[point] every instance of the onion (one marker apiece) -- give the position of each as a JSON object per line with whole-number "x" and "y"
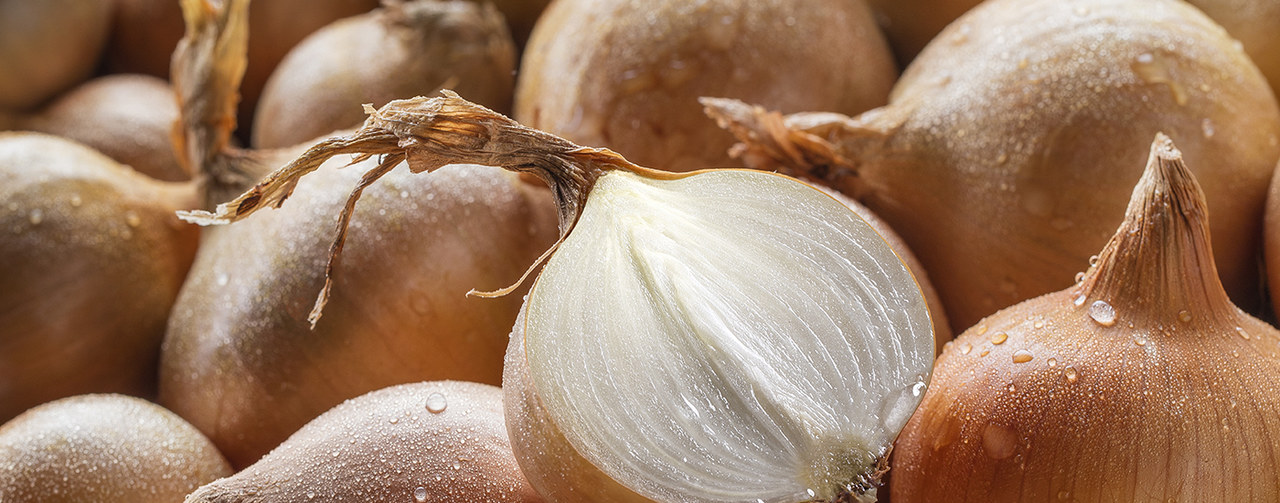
{"x": 127, "y": 117}
{"x": 239, "y": 335}
{"x": 628, "y": 74}
{"x": 90, "y": 262}
{"x": 48, "y": 46}
{"x": 1142, "y": 382}
{"x": 433, "y": 441}
{"x": 723, "y": 335}
{"x": 143, "y": 34}
{"x": 1253, "y": 23}
{"x": 403, "y": 49}
{"x": 103, "y": 448}
{"x": 1002, "y": 155}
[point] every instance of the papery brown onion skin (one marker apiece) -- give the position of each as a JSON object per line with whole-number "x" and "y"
{"x": 91, "y": 260}
{"x": 401, "y": 50}
{"x": 128, "y": 117}
{"x": 239, "y": 338}
{"x": 1003, "y": 157}
{"x": 46, "y": 47}
{"x": 104, "y": 448}
{"x": 442, "y": 441}
{"x": 628, "y": 74}
{"x": 1141, "y": 383}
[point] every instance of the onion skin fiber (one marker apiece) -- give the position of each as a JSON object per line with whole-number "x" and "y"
{"x": 1004, "y": 154}
{"x": 1142, "y": 382}
{"x": 442, "y": 442}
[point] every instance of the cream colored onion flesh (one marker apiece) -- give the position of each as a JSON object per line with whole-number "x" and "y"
{"x": 733, "y": 335}
{"x": 721, "y": 335}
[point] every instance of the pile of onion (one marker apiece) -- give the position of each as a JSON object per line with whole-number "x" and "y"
{"x": 1004, "y": 152}
{"x": 104, "y": 448}
{"x": 440, "y": 441}
{"x": 240, "y": 333}
{"x": 1141, "y": 382}
{"x": 628, "y": 74}
{"x": 720, "y": 335}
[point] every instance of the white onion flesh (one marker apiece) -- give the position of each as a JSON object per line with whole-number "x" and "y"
{"x": 727, "y": 336}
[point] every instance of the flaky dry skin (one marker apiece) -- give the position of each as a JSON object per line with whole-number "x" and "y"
{"x": 1004, "y": 157}
{"x": 1171, "y": 394}
{"x": 627, "y": 74}
{"x": 104, "y": 448}
{"x": 399, "y": 51}
{"x": 127, "y": 117}
{"x": 91, "y": 259}
{"x": 443, "y": 441}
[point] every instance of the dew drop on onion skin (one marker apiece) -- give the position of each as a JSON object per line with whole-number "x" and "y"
{"x": 436, "y": 403}
{"x": 1102, "y": 313}
{"x": 1022, "y": 356}
{"x": 420, "y": 494}
{"x": 998, "y": 442}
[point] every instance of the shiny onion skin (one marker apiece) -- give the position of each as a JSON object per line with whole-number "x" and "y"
{"x": 1005, "y": 154}
{"x": 1142, "y": 382}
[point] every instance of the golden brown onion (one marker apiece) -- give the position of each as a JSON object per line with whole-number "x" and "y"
{"x": 402, "y": 50}
{"x": 443, "y": 442}
{"x": 1003, "y": 156}
{"x": 91, "y": 258}
{"x": 127, "y": 117}
{"x": 628, "y": 74}
{"x": 240, "y": 336}
{"x": 107, "y": 448}
{"x": 46, "y": 47}
{"x": 1141, "y": 383}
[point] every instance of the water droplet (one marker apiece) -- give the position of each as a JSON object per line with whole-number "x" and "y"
{"x": 1002, "y": 158}
{"x": 404, "y": 194}
{"x": 982, "y": 329}
{"x": 436, "y": 403}
{"x": 1064, "y": 495}
{"x": 223, "y": 279}
{"x": 1243, "y": 335}
{"x": 36, "y": 216}
{"x": 1038, "y": 324}
{"x": 1053, "y": 362}
{"x": 917, "y": 388}
{"x": 1093, "y": 260}
{"x": 1206, "y": 127}
{"x": 394, "y": 420}
{"x": 1079, "y": 300}
{"x": 1071, "y": 374}
{"x": 420, "y": 494}
{"x": 76, "y": 201}
{"x": 1184, "y": 316}
{"x": 998, "y": 338}
{"x": 998, "y": 441}
{"x": 1102, "y": 313}
{"x": 1152, "y": 70}
{"x": 1022, "y": 356}
{"x": 966, "y": 349}
{"x": 1140, "y": 340}
{"x": 132, "y": 219}
{"x": 311, "y": 495}
{"x": 335, "y": 453}
{"x": 985, "y": 352}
